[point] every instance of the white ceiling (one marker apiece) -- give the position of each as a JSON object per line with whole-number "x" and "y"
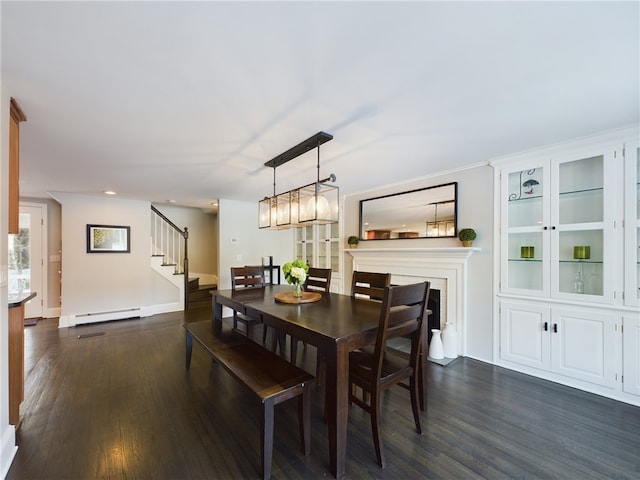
{"x": 186, "y": 101}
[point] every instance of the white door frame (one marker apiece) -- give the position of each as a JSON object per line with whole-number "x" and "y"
{"x": 38, "y": 306}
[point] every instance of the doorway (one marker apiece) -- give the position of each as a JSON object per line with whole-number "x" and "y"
{"x": 26, "y": 252}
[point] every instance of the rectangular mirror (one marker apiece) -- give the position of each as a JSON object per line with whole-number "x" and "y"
{"x": 424, "y": 213}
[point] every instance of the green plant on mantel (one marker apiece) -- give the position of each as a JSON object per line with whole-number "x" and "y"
{"x": 467, "y": 236}
{"x": 353, "y": 241}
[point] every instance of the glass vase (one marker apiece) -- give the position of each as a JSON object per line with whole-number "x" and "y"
{"x": 297, "y": 290}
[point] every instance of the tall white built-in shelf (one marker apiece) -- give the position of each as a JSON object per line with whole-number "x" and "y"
{"x": 568, "y": 236}
{"x": 318, "y": 246}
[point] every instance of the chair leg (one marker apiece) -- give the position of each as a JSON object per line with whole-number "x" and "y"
{"x": 274, "y": 340}
{"x": 264, "y": 335}
{"x": 421, "y": 373}
{"x": 294, "y": 350}
{"x": 304, "y": 419}
{"x": 375, "y": 428}
{"x": 266, "y": 437}
{"x": 249, "y": 327}
{"x": 413, "y": 390}
{"x": 189, "y": 340}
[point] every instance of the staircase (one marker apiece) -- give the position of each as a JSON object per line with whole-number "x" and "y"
{"x": 169, "y": 257}
{"x": 198, "y": 296}
{"x": 169, "y": 243}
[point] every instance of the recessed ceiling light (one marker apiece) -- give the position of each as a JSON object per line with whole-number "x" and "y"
{"x": 109, "y": 192}
{"x": 171, "y": 201}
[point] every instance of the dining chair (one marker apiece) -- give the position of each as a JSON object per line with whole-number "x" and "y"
{"x": 376, "y": 369}
{"x": 247, "y": 277}
{"x": 369, "y": 285}
{"x": 318, "y": 280}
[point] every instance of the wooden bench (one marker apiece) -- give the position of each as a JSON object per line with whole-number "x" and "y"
{"x": 271, "y": 379}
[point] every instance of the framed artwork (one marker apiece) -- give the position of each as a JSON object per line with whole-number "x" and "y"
{"x": 108, "y": 239}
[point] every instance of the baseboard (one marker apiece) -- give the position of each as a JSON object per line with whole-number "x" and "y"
{"x": 52, "y": 312}
{"x": 85, "y": 318}
{"x": 8, "y": 449}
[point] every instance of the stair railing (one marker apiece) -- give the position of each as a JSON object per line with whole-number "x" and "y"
{"x": 169, "y": 240}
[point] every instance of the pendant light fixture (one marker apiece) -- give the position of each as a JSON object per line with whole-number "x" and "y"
{"x": 316, "y": 203}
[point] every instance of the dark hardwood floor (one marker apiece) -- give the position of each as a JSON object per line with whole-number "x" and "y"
{"x": 121, "y": 406}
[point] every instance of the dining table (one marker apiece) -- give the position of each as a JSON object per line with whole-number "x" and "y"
{"x": 336, "y": 324}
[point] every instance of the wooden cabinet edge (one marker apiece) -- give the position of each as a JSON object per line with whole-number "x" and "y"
{"x": 17, "y": 116}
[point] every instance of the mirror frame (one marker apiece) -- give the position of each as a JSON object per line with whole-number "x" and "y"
{"x": 410, "y": 199}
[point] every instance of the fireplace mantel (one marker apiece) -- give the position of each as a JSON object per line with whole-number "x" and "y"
{"x": 445, "y": 268}
{"x": 446, "y": 252}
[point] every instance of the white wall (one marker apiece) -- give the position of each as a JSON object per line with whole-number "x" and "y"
{"x": 475, "y": 209}
{"x": 107, "y": 282}
{"x": 7, "y": 432}
{"x": 241, "y": 242}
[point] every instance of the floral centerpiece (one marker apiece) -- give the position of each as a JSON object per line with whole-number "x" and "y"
{"x": 295, "y": 273}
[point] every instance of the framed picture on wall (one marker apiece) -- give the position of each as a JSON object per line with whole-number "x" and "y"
{"x": 108, "y": 239}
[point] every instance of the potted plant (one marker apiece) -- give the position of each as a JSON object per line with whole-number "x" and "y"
{"x": 467, "y": 236}
{"x": 353, "y": 241}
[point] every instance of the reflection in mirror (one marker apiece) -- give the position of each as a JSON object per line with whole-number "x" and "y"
{"x": 424, "y": 213}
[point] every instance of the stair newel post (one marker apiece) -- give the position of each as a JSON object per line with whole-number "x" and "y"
{"x": 185, "y": 234}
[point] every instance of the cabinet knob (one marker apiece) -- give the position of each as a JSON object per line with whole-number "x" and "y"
{"x": 555, "y": 328}
{"x": 546, "y": 326}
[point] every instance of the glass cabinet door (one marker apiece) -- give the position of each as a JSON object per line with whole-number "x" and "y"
{"x": 527, "y": 243}
{"x": 578, "y": 218}
{"x": 318, "y": 246}
{"x": 632, "y": 224}
{"x": 558, "y": 226}
{"x": 334, "y": 247}
{"x": 304, "y": 244}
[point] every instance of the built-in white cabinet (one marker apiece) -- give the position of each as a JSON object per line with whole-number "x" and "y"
{"x": 631, "y": 321}
{"x": 632, "y": 224}
{"x": 631, "y": 354}
{"x": 577, "y": 343}
{"x": 568, "y": 274}
{"x": 318, "y": 245}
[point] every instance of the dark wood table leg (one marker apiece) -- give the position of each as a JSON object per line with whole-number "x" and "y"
{"x": 216, "y": 314}
{"x": 189, "y": 340}
{"x": 337, "y": 404}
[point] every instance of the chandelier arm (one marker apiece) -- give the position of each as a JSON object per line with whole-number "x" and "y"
{"x": 274, "y": 181}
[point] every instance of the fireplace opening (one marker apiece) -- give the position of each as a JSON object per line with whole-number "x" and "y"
{"x": 433, "y": 304}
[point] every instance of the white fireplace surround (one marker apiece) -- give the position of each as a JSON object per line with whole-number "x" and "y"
{"x": 445, "y": 268}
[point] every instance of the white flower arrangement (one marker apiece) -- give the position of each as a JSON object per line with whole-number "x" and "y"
{"x": 298, "y": 274}
{"x": 295, "y": 272}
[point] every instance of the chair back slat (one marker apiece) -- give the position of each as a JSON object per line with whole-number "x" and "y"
{"x": 318, "y": 280}
{"x": 402, "y": 313}
{"x": 247, "y": 277}
{"x": 369, "y": 284}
